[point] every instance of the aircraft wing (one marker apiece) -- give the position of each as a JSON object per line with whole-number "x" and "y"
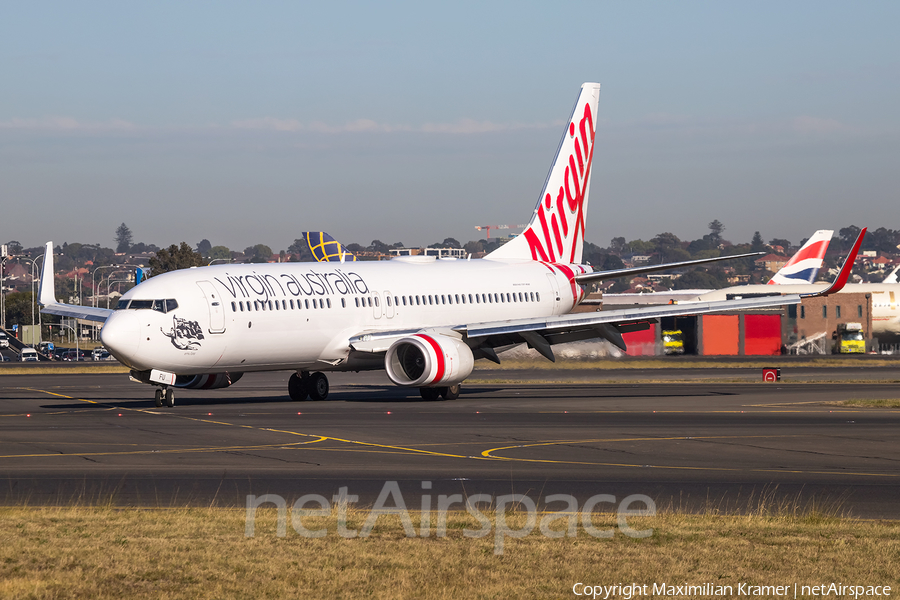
{"x": 542, "y": 333}
{"x": 74, "y": 311}
{"x": 47, "y": 296}
{"x": 603, "y": 275}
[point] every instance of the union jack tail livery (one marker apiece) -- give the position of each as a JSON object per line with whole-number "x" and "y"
{"x": 556, "y": 231}
{"x": 804, "y": 266}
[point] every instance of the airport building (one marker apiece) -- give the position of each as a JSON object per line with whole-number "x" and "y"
{"x": 806, "y": 328}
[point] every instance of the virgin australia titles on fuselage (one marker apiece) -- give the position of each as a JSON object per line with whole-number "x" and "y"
{"x": 423, "y": 320}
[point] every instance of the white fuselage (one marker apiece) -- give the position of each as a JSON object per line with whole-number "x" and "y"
{"x": 885, "y": 298}
{"x": 258, "y": 317}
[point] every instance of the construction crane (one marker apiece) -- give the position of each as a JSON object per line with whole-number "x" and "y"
{"x": 489, "y": 227}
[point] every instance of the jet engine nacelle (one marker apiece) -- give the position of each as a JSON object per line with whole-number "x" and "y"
{"x": 428, "y": 360}
{"x": 207, "y": 381}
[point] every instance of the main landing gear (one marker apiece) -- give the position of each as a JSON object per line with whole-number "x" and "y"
{"x": 165, "y": 395}
{"x": 305, "y": 385}
{"x": 433, "y": 393}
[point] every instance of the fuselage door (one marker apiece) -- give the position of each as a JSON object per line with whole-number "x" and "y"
{"x": 554, "y": 292}
{"x": 388, "y": 305}
{"x": 216, "y": 309}
{"x": 377, "y": 308}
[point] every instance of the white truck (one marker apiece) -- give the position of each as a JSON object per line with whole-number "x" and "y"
{"x": 4, "y": 340}
{"x": 27, "y": 354}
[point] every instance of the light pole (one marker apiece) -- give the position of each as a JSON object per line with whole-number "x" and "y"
{"x": 77, "y": 352}
{"x": 33, "y": 269}
{"x": 109, "y": 277}
{"x": 93, "y": 289}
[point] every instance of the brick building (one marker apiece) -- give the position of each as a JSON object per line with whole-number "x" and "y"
{"x": 816, "y": 315}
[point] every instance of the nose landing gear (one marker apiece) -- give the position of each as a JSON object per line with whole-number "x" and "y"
{"x": 164, "y": 395}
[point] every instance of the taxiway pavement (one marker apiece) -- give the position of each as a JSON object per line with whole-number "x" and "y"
{"x": 731, "y": 446}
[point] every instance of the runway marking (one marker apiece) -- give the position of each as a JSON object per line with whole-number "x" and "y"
{"x": 165, "y": 451}
{"x": 489, "y": 453}
{"x": 485, "y": 455}
{"x": 319, "y": 438}
{"x": 704, "y": 412}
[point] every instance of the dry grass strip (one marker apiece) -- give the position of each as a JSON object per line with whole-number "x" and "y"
{"x": 89, "y": 552}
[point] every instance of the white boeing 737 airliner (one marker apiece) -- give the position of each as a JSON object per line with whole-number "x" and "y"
{"x": 425, "y": 321}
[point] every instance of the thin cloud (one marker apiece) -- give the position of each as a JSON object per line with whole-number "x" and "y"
{"x": 807, "y": 124}
{"x": 63, "y": 124}
{"x": 460, "y": 127}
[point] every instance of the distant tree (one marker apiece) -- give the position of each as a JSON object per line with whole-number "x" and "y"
{"x": 610, "y": 262}
{"x": 123, "y": 238}
{"x": 13, "y": 247}
{"x": 260, "y": 253}
{"x": 174, "y": 258}
{"x": 282, "y": 256}
{"x": 379, "y": 246}
{"x": 298, "y": 246}
{"x": 618, "y": 245}
{"x": 203, "y": 248}
{"x": 448, "y": 243}
{"x": 757, "y": 244}
{"x": 474, "y": 247}
{"x": 669, "y": 247}
{"x": 399, "y": 245}
{"x": 705, "y": 245}
{"x": 715, "y": 231}
{"x": 219, "y": 252}
{"x": 883, "y": 240}
{"x": 142, "y": 248}
{"x": 639, "y": 247}
{"x": 18, "y": 308}
{"x": 780, "y": 242}
{"x": 700, "y": 279}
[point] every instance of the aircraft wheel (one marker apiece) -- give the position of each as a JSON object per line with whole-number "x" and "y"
{"x": 429, "y": 393}
{"x": 450, "y": 393}
{"x": 170, "y": 397}
{"x": 158, "y": 397}
{"x": 318, "y": 388}
{"x": 298, "y": 387}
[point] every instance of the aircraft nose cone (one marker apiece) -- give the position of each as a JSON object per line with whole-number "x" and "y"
{"x": 121, "y": 336}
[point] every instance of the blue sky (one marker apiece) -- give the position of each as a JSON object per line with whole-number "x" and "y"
{"x": 249, "y": 123}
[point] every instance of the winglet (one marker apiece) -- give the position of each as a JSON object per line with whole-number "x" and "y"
{"x": 47, "y": 291}
{"x": 844, "y": 273}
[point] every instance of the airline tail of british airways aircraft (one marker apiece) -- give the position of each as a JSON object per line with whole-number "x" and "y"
{"x": 804, "y": 266}
{"x": 556, "y": 231}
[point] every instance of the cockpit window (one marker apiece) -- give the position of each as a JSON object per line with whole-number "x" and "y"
{"x": 162, "y": 306}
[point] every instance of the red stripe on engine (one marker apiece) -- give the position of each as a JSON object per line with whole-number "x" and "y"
{"x": 440, "y": 357}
